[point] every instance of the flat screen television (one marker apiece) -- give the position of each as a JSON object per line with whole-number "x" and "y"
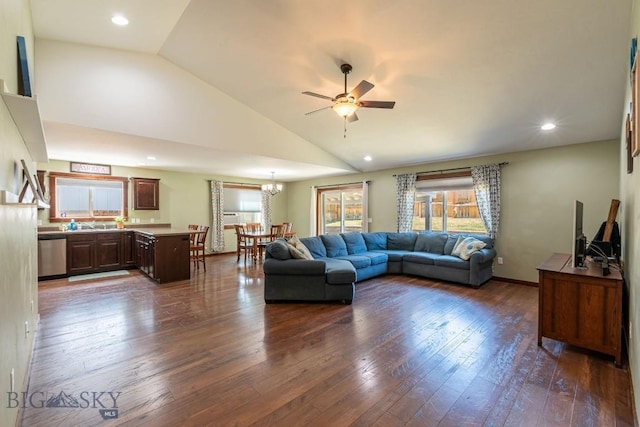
{"x": 579, "y": 242}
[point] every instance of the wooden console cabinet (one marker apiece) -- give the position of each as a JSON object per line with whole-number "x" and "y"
{"x": 580, "y": 306}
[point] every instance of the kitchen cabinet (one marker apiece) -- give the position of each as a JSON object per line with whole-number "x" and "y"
{"x": 128, "y": 249}
{"x": 108, "y": 251}
{"x": 164, "y": 258}
{"x": 95, "y": 251}
{"x": 81, "y": 254}
{"x": 146, "y": 194}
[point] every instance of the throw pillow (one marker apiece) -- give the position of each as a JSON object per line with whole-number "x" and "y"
{"x": 456, "y": 248}
{"x": 469, "y": 246}
{"x": 298, "y": 249}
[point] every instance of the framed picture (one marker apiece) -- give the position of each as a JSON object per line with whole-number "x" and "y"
{"x": 635, "y": 109}
{"x": 628, "y": 137}
{"x": 90, "y": 168}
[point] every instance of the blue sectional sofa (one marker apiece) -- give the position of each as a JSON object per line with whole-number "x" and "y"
{"x": 341, "y": 260}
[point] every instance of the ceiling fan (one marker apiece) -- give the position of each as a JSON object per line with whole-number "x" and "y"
{"x": 345, "y": 104}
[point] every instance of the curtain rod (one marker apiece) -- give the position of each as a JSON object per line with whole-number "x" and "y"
{"x": 451, "y": 169}
{"x": 340, "y": 185}
{"x": 236, "y": 183}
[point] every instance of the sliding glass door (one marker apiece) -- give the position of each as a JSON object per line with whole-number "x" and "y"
{"x": 339, "y": 210}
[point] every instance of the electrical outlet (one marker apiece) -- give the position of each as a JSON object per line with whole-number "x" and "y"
{"x": 500, "y": 260}
{"x": 12, "y": 380}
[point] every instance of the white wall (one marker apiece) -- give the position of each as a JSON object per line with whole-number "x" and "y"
{"x": 629, "y": 220}
{"x": 18, "y": 241}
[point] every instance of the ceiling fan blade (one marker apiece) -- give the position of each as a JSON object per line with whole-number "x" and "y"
{"x": 319, "y": 109}
{"x": 352, "y": 118}
{"x": 317, "y": 95}
{"x": 377, "y": 104}
{"x": 361, "y": 89}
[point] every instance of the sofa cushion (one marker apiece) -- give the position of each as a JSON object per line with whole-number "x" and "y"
{"x": 375, "y": 241}
{"x": 278, "y": 249}
{"x": 339, "y": 271}
{"x": 394, "y": 255}
{"x": 355, "y": 243}
{"x": 315, "y": 246}
{"x": 428, "y": 241}
{"x": 401, "y": 241}
{"x": 376, "y": 257}
{"x": 469, "y": 246}
{"x": 357, "y": 261}
{"x": 451, "y": 261}
{"x": 334, "y": 244}
{"x": 421, "y": 258}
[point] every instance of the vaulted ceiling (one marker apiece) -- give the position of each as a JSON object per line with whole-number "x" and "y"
{"x": 216, "y": 86}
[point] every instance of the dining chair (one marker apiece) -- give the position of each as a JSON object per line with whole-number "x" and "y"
{"x": 254, "y": 227}
{"x": 197, "y": 246}
{"x": 243, "y": 243}
{"x": 277, "y": 230}
{"x": 288, "y": 229}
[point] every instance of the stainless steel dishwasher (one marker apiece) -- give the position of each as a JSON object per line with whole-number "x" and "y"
{"x": 52, "y": 255}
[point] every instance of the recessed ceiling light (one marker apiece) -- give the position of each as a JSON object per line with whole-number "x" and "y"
{"x": 151, "y": 158}
{"x": 120, "y": 20}
{"x": 367, "y": 158}
{"x": 548, "y": 126}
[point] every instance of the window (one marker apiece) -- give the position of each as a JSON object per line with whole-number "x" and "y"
{"x": 447, "y": 204}
{"x": 87, "y": 197}
{"x": 242, "y": 204}
{"x": 339, "y": 209}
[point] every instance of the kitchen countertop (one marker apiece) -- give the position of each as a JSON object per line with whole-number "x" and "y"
{"x": 150, "y": 231}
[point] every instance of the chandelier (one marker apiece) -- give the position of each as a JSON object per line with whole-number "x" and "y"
{"x": 272, "y": 188}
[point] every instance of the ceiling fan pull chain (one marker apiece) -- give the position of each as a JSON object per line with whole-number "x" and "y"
{"x": 345, "y": 127}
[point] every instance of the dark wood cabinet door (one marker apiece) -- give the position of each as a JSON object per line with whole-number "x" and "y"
{"x": 108, "y": 252}
{"x": 146, "y": 194}
{"x": 81, "y": 254}
{"x": 128, "y": 249}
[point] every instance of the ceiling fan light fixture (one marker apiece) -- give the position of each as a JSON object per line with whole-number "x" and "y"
{"x": 345, "y": 106}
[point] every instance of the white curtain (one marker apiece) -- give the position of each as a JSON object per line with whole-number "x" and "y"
{"x": 405, "y": 197}
{"x": 486, "y": 184}
{"x": 267, "y": 209}
{"x": 217, "y": 216}
{"x": 313, "y": 212}
{"x": 365, "y": 206}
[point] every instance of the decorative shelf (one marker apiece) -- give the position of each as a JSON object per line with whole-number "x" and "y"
{"x": 26, "y": 115}
{"x": 9, "y": 198}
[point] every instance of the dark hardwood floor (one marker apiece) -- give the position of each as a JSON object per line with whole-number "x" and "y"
{"x": 408, "y": 351}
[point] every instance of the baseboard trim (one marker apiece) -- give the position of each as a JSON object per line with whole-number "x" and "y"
{"x": 516, "y": 281}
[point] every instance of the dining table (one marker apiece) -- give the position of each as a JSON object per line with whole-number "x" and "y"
{"x": 258, "y": 237}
